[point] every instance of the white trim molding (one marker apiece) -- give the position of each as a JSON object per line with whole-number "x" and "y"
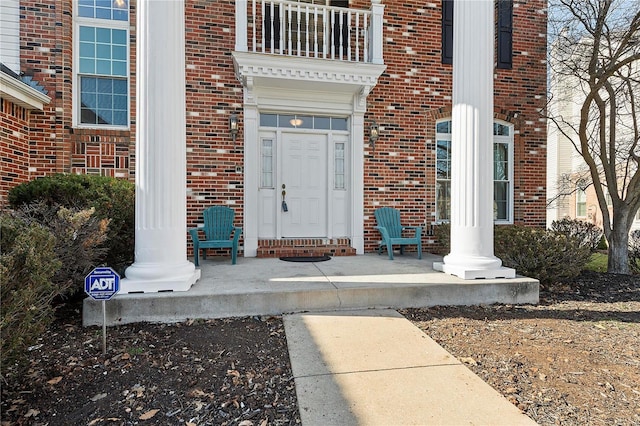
{"x": 21, "y": 93}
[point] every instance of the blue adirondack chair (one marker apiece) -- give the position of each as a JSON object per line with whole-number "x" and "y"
{"x": 218, "y": 232}
{"x": 389, "y": 226}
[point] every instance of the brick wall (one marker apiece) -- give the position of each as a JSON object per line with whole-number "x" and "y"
{"x": 411, "y": 95}
{"x": 14, "y": 147}
{"x": 46, "y": 43}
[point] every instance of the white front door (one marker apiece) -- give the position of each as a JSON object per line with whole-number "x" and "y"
{"x": 303, "y": 178}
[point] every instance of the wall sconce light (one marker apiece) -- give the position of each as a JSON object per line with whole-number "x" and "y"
{"x": 373, "y": 134}
{"x": 233, "y": 127}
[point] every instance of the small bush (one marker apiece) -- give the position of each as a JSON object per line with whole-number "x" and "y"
{"x": 79, "y": 241}
{"x": 27, "y": 265}
{"x": 634, "y": 251}
{"x": 442, "y": 233}
{"x": 538, "y": 253}
{"x": 113, "y": 199}
{"x": 587, "y": 233}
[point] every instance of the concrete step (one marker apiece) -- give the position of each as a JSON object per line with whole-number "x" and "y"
{"x": 272, "y": 287}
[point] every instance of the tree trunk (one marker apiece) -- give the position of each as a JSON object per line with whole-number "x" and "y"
{"x": 618, "y": 262}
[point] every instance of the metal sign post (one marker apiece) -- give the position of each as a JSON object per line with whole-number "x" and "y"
{"x": 102, "y": 284}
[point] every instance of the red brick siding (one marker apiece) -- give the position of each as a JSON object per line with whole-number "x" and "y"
{"x": 46, "y": 53}
{"x": 14, "y": 147}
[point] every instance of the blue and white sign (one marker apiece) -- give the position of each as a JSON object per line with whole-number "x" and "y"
{"x": 102, "y": 283}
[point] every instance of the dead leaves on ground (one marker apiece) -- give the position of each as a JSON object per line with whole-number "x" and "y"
{"x": 223, "y": 372}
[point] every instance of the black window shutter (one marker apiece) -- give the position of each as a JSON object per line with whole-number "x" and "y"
{"x": 504, "y": 32}
{"x": 447, "y": 31}
{"x": 272, "y": 27}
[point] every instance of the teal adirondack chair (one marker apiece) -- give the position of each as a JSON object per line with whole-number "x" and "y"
{"x": 390, "y": 228}
{"x": 218, "y": 232}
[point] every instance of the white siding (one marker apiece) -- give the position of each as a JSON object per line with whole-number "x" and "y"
{"x": 10, "y": 34}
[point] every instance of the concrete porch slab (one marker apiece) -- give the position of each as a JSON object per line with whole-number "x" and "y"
{"x": 256, "y": 286}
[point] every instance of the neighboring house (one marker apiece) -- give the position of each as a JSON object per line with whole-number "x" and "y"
{"x": 570, "y": 192}
{"x": 305, "y": 84}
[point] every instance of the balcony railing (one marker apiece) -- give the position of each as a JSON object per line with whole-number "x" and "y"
{"x": 290, "y": 28}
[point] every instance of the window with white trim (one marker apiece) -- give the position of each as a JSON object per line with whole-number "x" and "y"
{"x": 581, "y": 203}
{"x": 502, "y": 171}
{"x": 101, "y": 63}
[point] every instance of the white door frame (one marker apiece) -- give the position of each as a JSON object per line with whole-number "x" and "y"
{"x": 355, "y": 169}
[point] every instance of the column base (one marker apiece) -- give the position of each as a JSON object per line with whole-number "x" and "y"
{"x": 469, "y": 273}
{"x": 154, "y": 277}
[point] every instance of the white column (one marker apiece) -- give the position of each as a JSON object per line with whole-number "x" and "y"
{"x": 471, "y": 253}
{"x": 251, "y": 173}
{"x": 160, "y": 247}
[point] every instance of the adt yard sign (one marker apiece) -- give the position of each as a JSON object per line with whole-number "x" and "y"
{"x": 102, "y": 283}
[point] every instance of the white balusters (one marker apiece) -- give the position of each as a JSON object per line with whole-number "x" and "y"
{"x": 309, "y": 30}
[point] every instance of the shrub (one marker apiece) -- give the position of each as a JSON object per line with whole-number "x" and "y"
{"x": 538, "y": 253}
{"x": 27, "y": 264}
{"x": 442, "y": 233}
{"x": 79, "y": 241}
{"x": 634, "y": 251}
{"x": 587, "y": 233}
{"x": 112, "y": 198}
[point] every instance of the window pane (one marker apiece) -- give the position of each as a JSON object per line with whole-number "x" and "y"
{"x": 119, "y": 37}
{"x": 103, "y": 35}
{"x": 87, "y": 66}
{"x": 87, "y": 50}
{"x": 443, "y": 127}
{"x": 500, "y": 129}
{"x": 120, "y": 118}
{"x": 105, "y": 116}
{"x": 104, "y": 9}
{"x": 267, "y": 163}
{"x": 103, "y": 13}
{"x": 443, "y": 151}
{"x": 304, "y": 122}
{"x": 119, "y": 68}
{"x": 323, "y": 123}
{"x": 120, "y": 87}
{"x": 119, "y": 52}
{"x": 500, "y": 200}
{"x": 443, "y": 169}
{"x": 89, "y": 84}
{"x": 120, "y": 15}
{"x": 87, "y": 34}
{"x": 103, "y": 51}
{"x": 339, "y": 123}
{"x": 443, "y": 200}
{"x": 500, "y": 161}
{"x": 85, "y": 12}
{"x": 339, "y": 181}
{"x": 100, "y": 104}
{"x": 269, "y": 120}
{"x": 287, "y": 121}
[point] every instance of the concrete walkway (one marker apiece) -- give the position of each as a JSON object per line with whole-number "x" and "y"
{"x": 374, "y": 367}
